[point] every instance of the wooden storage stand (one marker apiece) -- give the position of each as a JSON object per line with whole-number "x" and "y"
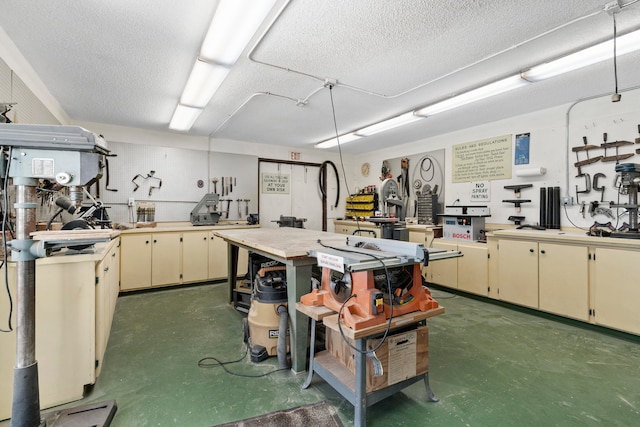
{"x": 348, "y": 372}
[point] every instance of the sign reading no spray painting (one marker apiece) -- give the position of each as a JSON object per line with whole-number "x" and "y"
{"x": 482, "y": 160}
{"x": 275, "y": 183}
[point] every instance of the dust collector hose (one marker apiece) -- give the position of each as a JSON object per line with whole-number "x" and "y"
{"x": 322, "y": 189}
{"x": 282, "y": 336}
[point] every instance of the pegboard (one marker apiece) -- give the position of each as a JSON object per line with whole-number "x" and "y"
{"x": 180, "y": 178}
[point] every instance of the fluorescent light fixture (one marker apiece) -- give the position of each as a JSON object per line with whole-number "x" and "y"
{"x": 389, "y": 124}
{"x": 204, "y": 81}
{"x": 334, "y": 141}
{"x": 589, "y": 56}
{"x": 184, "y": 117}
{"x": 483, "y": 92}
{"x": 233, "y": 25}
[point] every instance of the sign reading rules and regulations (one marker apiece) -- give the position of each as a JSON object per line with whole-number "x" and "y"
{"x": 275, "y": 183}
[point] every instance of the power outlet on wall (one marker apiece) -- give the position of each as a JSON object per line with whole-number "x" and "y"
{"x": 131, "y": 201}
{"x": 567, "y": 201}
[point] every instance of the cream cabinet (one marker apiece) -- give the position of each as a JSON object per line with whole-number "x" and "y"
{"x": 135, "y": 261}
{"x": 443, "y": 272}
{"x": 195, "y": 256}
{"x": 107, "y": 288}
{"x": 469, "y": 273}
{"x": 217, "y": 254}
{"x": 563, "y": 279}
{"x": 616, "y": 289}
{"x": 166, "y": 253}
{"x": 164, "y": 258}
{"x": 473, "y": 268}
{"x": 75, "y": 299}
{"x": 349, "y": 227}
{"x": 518, "y": 272}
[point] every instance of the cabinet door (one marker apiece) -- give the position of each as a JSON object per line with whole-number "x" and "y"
{"x": 444, "y": 272}
{"x": 135, "y": 261}
{"x": 492, "y": 245}
{"x": 195, "y": 256}
{"x": 616, "y": 289}
{"x": 165, "y": 259}
{"x": 217, "y": 257}
{"x": 518, "y": 272}
{"x": 564, "y": 280}
{"x": 473, "y": 269}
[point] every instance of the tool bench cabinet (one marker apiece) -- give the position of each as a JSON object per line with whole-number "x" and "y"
{"x": 353, "y": 387}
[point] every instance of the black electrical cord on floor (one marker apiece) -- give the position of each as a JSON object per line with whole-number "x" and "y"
{"x": 204, "y": 363}
{"x": 5, "y": 217}
{"x": 320, "y": 180}
{"x": 386, "y": 272}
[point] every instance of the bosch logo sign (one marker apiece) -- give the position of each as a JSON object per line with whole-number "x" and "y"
{"x": 461, "y": 236}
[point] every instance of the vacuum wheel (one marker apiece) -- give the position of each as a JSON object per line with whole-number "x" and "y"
{"x": 245, "y": 331}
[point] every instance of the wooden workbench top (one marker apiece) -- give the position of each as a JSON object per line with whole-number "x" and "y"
{"x": 284, "y": 242}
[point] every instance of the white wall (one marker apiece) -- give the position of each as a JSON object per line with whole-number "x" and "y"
{"x": 553, "y": 132}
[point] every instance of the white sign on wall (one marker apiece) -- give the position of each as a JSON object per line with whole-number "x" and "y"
{"x": 276, "y": 183}
{"x": 480, "y": 191}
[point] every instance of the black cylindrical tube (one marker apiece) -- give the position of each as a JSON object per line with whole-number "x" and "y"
{"x": 549, "y": 207}
{"x": 543, "y": 207}
{"x": 556, "y": 208}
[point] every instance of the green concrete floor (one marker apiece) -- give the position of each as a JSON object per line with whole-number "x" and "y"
{"x": 489, "y": 365}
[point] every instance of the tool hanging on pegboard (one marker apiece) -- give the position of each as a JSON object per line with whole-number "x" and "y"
{"x": 150, "y": 176}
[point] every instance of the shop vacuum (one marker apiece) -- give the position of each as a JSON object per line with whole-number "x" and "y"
{"x": 266, "y": 328}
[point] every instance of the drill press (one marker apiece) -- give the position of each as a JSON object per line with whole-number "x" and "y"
{"x": 629, "y": 181}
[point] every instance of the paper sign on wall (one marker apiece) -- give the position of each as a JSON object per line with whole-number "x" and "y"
{"x": 481, "y": 191}
{"x": 276, "y": 183}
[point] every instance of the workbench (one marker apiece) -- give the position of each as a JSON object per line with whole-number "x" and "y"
{"x": 353, "y": 387}
{"x": 289, "y": 246}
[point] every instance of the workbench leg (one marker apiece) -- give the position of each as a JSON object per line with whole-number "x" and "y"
{"x": 360, "y": 407}
{"x": 232, "y": 271}
{"x": 298, "y": 284}
{"x": 432, "y": 397}
{"x": 312, "y": 352}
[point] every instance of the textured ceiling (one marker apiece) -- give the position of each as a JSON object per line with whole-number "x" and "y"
{"x": 126, "y": 62}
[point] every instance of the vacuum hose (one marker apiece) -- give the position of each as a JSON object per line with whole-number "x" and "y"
{"x": 335, "y": 170}
{"x": 282, "y": 336}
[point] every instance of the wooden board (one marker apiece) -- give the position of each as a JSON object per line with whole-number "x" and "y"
{"x": 285, "y": 243}
{"x": 75, "y": 234}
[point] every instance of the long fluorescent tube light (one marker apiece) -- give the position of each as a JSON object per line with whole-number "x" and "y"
{"x": 389, "y": 124}
{"x": 483, "y": 92}
{"x": 204, "y": 81}
{"x": 184, "y": 117}
{"x": 233, "y": 25}
{"x": 334, "y": 141}
{"x": 589, "y": 56}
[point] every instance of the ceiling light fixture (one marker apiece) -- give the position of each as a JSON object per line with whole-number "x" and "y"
{"x": 385, "y": 125}
{"x": 232, "y": 27}
{"x": 601, "y": 52}
{"x": 348, "y": 137}
{"x": 474, "y": 95}
{"x": 184, "y": 117}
